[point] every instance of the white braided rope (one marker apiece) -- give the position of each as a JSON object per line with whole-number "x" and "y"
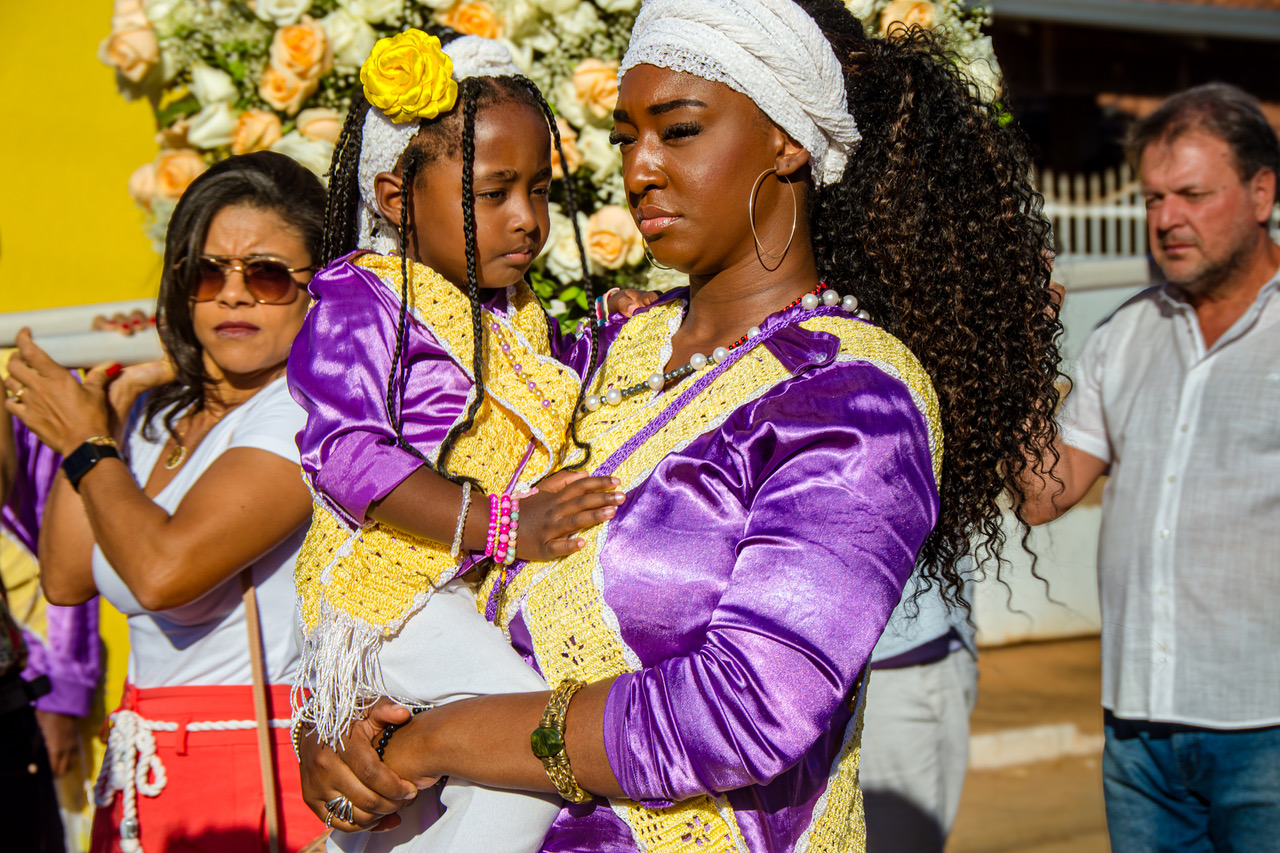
{"x": 384, "y": 140}
{"x": 132, "y": 767}
{"x": 769, "y": 50}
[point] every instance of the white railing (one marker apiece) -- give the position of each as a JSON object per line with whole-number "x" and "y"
{"x": 1100, "y": 215}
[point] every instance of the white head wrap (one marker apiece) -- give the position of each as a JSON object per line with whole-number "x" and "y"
{"x": 769, "y": 50}
{"x": 384, "y": 141}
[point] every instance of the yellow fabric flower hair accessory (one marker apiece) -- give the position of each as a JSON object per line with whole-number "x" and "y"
{"x": 408, "y": 77}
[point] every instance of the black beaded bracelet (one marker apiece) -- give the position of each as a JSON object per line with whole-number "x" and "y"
{"x": 391, "y": 729}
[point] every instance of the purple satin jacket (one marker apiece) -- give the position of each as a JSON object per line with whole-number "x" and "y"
{"x": 70, "y": 653}
{"x": 753, "y": 572}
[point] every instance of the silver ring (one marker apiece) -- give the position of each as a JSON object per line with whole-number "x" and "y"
{"x": 340, "y": 808}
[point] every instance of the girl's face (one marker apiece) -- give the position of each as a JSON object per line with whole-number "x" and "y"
{"x": 512, "y": 174}
{"x": 691, "y": 151}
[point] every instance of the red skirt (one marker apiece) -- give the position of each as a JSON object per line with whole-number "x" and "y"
{"x": 211, "y": 801}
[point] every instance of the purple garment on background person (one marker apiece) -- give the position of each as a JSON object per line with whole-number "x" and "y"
{"x": 71, "y": 652}
{"x": 338, "y": 371}
{"x": 752, "y": 572}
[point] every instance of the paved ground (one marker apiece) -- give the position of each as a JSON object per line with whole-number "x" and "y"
{"x": 1050, "y": 806}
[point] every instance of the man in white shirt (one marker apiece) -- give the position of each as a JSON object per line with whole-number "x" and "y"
{"x": 1177, "y": 398}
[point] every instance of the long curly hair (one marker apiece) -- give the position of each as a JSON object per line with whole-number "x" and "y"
{"x": 449, "y": 135}
{"x": 937, "y": 229}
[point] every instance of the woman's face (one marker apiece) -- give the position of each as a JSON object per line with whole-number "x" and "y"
{"x": 242, "y": 337}
{"x": 691, "y": 152}
{"x": 512, "y": 175}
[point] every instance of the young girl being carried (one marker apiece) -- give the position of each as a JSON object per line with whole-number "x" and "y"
{"x": 421, "y": 446}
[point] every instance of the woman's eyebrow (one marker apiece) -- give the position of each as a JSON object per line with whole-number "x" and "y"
{"x": 659, "y": 109}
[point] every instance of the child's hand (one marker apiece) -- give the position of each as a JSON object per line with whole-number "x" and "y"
{"x": 565, "y": 503}
{"x": 628, "y": 302}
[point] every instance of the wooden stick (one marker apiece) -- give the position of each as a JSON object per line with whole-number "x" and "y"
{"x": 265, "y": 753}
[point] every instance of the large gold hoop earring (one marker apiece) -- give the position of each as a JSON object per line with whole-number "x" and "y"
{"x": 751, "y": 215}
{"x": 648, "y": 255}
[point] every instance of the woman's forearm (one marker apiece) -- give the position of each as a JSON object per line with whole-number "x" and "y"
{"x": 486, "y": 740}
{"x": 66, "y": 547}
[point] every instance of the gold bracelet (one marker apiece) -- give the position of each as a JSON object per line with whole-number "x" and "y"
{"x": 547, "y": 742}
{"x": 102, "y": 441}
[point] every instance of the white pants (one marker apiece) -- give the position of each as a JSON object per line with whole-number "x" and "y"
{"x": 447, "y": 651}
{"x": 915, "y": 747}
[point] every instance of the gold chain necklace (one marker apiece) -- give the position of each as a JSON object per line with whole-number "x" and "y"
{"x": 179, "y": 453}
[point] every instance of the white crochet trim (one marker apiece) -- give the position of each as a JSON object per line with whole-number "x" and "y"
{"x": 384, "y": 140}
{"x": 132, "y": 767}
{"x": 769, "y": 50}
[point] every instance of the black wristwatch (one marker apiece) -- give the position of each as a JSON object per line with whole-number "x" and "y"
{"x": 81, "y": 460}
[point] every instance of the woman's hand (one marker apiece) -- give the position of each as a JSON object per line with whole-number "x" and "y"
{"x": 132, "y": 383}
{"x": 44, "y": 395}
{"x": 355, "y": 772}
{"x": 125, "y": 324}
{"x": 564, "y": 504}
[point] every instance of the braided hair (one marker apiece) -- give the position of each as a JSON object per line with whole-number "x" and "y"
{"x": 451, "y": 134}
{"x": 937, "y": 229}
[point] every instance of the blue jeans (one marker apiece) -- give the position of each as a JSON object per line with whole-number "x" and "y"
{"x": 1172, "y": 787}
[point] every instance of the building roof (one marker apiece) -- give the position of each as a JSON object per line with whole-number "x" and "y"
{"x": 1240, "y": 19}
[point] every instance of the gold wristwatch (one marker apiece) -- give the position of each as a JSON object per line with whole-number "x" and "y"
{"x": 547, "y": 742}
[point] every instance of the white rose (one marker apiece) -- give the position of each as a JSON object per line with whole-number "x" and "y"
{"x": 519, "y": 18}
{"x": 582, "y": 22}
{"x": 598, "y": 154}
{"x": 556, "y": 7}
{"x": 213, "y": 127}
{"x": 212, "y": 85}
{"x": 167, "y": 15}
{"x": 980, "y": 65}
{"x": 564, "y": 97}
{"x": 619, "y": 5}
{"x": 436, "y": 4}
{"x": 351, "y": 38}
{"x": 315, "y": 154}
{"x": 861, "y": 9}
{"x": 560, "y": 254}
{"x": 373, "y": 11}
{"x": 282, "y": 13}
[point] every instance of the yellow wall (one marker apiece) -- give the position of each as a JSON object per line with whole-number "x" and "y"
{"x": 69, "y": 233}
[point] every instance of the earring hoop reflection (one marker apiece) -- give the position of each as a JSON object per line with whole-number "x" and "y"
{"x": 751, "y": 215}
{"x": 650, "y": 258}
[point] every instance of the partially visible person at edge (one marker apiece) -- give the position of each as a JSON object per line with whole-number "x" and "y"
{"x": 26, "y": 777}
{"x": 1177, "y": 398}
{"x": 206, "y": 508}
{"x": 484, "y": 405}
{"x": 782, "y": 454}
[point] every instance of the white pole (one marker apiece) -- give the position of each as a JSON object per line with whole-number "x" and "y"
{"x": 90, "y": 348}
{"x": 74, "y": 319}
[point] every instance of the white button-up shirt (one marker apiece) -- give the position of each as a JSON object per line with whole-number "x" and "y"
{"x": 1189, "y": 554}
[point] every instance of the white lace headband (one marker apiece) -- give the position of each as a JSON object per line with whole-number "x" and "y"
{"x": 769, "y": 50}
{"x": 384, "y": 141}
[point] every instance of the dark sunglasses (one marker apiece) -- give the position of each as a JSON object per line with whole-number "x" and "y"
{"x": 267, "y": 280}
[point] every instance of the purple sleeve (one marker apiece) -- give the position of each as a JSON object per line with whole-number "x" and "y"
{"x": 338, "y": 372}
{"x": 842, "y": 499}
{"x": 71, "y": 655}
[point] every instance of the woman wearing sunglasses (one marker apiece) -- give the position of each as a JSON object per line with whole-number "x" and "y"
{"x": 187, "y": 512}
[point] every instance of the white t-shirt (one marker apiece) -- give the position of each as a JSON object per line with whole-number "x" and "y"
{"x": 205, "y": 642}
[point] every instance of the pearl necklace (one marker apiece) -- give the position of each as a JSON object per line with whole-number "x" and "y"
{"x": 698, "y": 361}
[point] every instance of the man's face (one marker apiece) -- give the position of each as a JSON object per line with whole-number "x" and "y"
{"x": 1203, "y": 220}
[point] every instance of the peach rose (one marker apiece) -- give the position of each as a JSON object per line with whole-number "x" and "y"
{"x": 175, "y": 170}
{"x": 283, "y": 91}
{"x": 133, "y": 52}
{"x": 612, "y": 239}
{"x": 175, "y": 135}
{"x": 321, "y": 124}
{"x": 258, "y": 130}
{"x": 595, "y": 84}
{"x": 128, "y": 15}
{"x": 569, "y": 143}
{"x": 302, "y": 50}
{"x": 474, "y": 18}
{"x": 909, "y": 13}
{"x": 142, "y": 185}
